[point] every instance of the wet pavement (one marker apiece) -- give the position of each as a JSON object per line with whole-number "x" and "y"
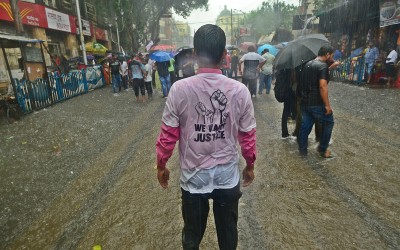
{"x": 82, "y": 173}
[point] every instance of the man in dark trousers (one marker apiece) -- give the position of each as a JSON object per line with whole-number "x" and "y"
{"x": 253, "y": 62}
{"x": 209, "y": 114}
{"x": 315, "y": 105}
{"x": 115, "y": 66}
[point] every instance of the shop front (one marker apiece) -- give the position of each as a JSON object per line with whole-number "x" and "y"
{"x": 351, "y": 27}
{"x": 60, "y": 30}
{"x": 389, "y": 35}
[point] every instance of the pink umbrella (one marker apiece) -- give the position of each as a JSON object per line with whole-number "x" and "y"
{"x": 245, "y": 46}
{"x": 162, "y": 47}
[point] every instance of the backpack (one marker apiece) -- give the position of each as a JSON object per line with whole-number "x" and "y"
{"x": 282, "y": 86}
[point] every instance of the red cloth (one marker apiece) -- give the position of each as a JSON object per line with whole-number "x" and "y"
{"x": 247, "y": 141}
{"x": 227, "y": 62}
{"x": 165, "y": 144}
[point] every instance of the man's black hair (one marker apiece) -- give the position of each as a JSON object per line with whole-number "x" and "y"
{"x": 265, "y": 51}
{"x": 209, "y": 43}
{"x": 325, "y": 50}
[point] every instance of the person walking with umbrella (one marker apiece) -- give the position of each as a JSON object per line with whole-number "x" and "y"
{"x": 163, "y": 61}
{"x": 253, "y": 62}
{"x": 163, "y": 73}
{"x": 315, "y": 105}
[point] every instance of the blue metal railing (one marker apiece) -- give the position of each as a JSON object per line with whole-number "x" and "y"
{"x": 351, "y": 70}
{"x": 42, "y": 93}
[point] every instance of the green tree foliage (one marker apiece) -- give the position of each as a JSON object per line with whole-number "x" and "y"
{"x": 142, "y": 17}
{"x": 271, "y": 16}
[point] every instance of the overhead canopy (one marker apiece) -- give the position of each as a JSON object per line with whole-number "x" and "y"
{"x": 95, "y": 48}
{"x": 13, "y": 41}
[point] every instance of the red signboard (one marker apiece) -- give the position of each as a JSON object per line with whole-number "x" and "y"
{"x": 87, "y": 26}
{"x": 41, "y": 16}
{"x": 31, "y": 14}
{"x": 245, "y": 31}
{"x": 101, "y": 34}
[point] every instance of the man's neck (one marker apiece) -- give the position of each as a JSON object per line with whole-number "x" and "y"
{"x": 321, "y": 58}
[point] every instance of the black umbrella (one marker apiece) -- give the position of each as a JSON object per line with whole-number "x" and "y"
{"x": 299, "y": 51}
{"x": 183, "y": 50}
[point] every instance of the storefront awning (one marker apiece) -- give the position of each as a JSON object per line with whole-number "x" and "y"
{"x": 13, "y": 41}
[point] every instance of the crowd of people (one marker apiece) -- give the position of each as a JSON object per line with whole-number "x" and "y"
{"x": 139, "y": 73}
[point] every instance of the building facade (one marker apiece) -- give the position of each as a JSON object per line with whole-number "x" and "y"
{"x": 58, "y": 26}
{"x": 184, "y": 36}
{"x": 233, "y": 24}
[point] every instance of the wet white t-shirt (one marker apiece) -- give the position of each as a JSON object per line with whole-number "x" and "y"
{"x": 210, "y": 109}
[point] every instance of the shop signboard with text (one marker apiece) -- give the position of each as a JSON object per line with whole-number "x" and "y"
{"x": 31, "y": 14}
{"x": 87, "y": 28}
{"x": 389, "y": 13}
{"x": 57, "y": 20}
{"x": 41, "y": 16}
{"x": 245, "y": 31}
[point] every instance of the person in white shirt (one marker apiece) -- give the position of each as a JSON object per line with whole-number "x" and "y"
{"x": 253, "y": 62}
{"x": 148, "y": 79}
{"x": 124, "y": 74}
{"x": 391, "y": 60}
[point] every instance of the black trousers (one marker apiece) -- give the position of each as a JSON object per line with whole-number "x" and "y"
{"x": 138, "y": 83}
{"x": 195, "y": 208}
{"x": 149, "y": 88}
{"x": 172, "y": 77}
{"x": 288, "y": 108}
{"x": 124, "y": 82}
{"x": 251, "y": 85}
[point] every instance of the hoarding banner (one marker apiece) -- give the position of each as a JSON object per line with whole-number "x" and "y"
{"x": 41, "y": 16}
{"x": 389, "y": 13}
{"x": 31, "y": 14}
{"x": 87, "y": 27}
{"x": 244, "y": 31}
{"x": 101, "y": 34}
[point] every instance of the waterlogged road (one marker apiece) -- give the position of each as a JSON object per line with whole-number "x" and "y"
{"x": 81, "y": 173}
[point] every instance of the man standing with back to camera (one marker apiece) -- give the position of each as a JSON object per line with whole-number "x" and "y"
{"x": 253, "y": 62}
{"x": 208, "y": 113}
{"x": 315, "y": 105}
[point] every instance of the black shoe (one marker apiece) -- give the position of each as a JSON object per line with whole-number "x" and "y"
{"x": 303, "y": 153}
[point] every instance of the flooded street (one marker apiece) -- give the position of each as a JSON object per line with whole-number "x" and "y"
{"x": 82, "y": 173}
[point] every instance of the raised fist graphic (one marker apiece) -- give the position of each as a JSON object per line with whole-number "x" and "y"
{"x": 203, "y": 113}
{"x": 218, "y": 101}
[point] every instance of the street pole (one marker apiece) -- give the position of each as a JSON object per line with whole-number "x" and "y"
{"x": 231, "y": 28}
{"x": 116, "y": 25}
{"x": 78, "y": 12}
